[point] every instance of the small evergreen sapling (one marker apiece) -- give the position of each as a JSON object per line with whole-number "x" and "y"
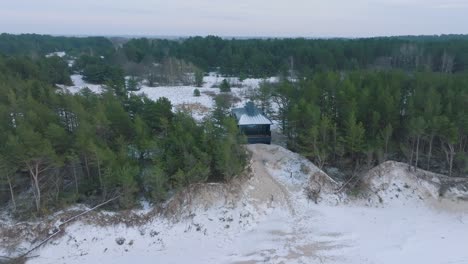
{"x": 225, "y": 87}
{"x": 199, "y": 78}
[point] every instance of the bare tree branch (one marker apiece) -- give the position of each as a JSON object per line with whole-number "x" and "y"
{"x": 68, "y": 221}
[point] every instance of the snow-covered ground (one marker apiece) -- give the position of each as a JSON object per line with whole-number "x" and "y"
{"x": 268, "y": 219}
{"x": 181, "y": 96}
{"x": 58, "y": 54}
{"x": 79, "y": 84}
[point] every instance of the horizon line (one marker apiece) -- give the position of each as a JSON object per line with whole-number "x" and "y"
{"x": 184, "y": 36}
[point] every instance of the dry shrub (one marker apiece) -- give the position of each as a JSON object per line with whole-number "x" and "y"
{"x": 192, "y": 107}
{"x": 209, "y": 93}
{"x": 305, "y": 169}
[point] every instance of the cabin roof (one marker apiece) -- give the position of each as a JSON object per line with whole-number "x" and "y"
{"x": 253, "y": 117}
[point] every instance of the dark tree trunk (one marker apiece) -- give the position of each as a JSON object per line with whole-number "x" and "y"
{"x": 411, "y": 155}
{"x": 87, "y": 166}
{"x": 12, "y": 193}
{"x": 75, "y": 177}
{"x": 101, "y": 183}
{"x": 34, "y": 172}
{"x": 452, "y": 155}
{"x": 429, "y": 154}
{"x": 417, "y": 153}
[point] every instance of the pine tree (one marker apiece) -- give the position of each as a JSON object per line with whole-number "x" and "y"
{"x": 229, "y": 157}
{"x": 198, "y": 78}
{"x": 8, "y": 171}
{"x": 448, "y": 134}
{"x": 417, "y": 126}
{"x": 225, "y": 87}
{"x": 264, "y": 95}
{"x": 133, "y": 84}
{"x": 354, "y": 136}
{"x": 155, "y": 182}
{"x": 386, "y": 135}
{"x": 36, "y": 154}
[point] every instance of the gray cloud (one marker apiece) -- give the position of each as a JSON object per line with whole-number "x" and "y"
{"x": 313, "y": 18}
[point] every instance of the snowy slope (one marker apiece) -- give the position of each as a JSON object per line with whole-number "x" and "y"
{"x": 267, "y": 219}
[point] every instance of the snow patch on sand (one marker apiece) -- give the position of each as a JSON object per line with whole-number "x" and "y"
{"x": 394, "y": 183}
{"x": 268, "y": 219}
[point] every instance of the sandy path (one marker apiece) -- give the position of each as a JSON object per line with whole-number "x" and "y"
{"x": 267, "y": 181}
{"x": 294, "y": 239}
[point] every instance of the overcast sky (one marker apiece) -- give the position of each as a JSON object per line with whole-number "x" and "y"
{"x": 282, "y": 18}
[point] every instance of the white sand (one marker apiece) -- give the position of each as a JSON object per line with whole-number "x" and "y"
{"x": 267, "y": 219}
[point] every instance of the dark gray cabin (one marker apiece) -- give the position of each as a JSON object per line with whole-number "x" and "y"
{"x": 253, "y": 123}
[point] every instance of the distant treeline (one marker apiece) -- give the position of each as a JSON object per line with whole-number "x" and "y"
{"x": 38, "y": 45}
{"x": 262, "y": 57}
{"x": 266, "y": 57}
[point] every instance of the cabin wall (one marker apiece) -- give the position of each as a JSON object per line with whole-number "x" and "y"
{"x": 255, "y": 129}
{"x": 257, "y": 133}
